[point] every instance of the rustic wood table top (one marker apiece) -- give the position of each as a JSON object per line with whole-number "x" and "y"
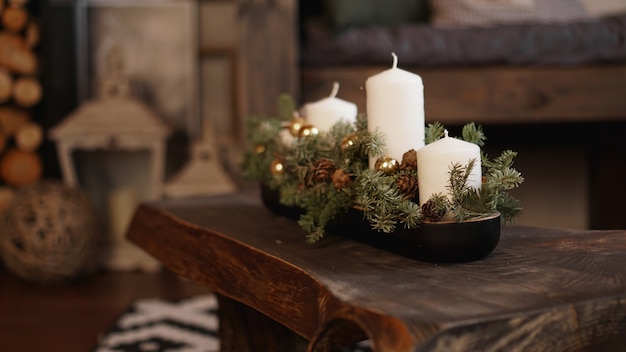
{"x": 539, "y": 290}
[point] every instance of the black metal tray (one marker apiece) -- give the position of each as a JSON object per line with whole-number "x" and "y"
{"x": 441, "y": 242}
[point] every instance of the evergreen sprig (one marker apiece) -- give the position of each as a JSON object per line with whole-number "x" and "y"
{"x": 465, "y": 201}
{"x": 473, "y": 134}
{"x": 262, "y": 145}
{"x": 433, "y": 132}
{"x": 382, "y": 204}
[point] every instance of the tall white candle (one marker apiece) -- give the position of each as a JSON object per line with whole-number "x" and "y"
{"x": 434, "y": 162}
{"x": 324, "y": 113}
{"x": 395, "y": 107}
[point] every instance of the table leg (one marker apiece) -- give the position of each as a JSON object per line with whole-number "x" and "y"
{"x": 243, "y": 329}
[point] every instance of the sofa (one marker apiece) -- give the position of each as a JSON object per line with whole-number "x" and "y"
{"x": 483, "y": 63}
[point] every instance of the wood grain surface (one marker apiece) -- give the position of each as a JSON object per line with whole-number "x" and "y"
{"x": 495, "y": 94}
{"x": 540, "y": 290}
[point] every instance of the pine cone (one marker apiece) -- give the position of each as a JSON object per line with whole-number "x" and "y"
{"x": 341, "y": 179}
{"x": 408, "y": 185}
{"x": 321, "y": 171}
{"x": 434, "y": 210}
{"x": 409, "y": 160}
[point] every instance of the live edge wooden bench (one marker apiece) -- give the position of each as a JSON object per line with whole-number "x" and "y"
{"x": 539, "y": 290}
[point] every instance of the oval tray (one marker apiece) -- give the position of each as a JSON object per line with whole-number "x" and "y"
{"x": 441, "y": 242}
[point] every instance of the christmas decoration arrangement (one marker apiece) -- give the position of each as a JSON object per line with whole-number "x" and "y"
{"x": 327, "y": 173}
{"x": 327, "y": 162}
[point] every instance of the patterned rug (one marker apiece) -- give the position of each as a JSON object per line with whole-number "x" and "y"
{"x": 189, "y": 325}
{"x": 153, "y": 325}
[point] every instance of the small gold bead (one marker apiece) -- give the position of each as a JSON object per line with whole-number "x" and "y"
{"x": 277, "y": 167}
{"x": 296, "y": 125}
{"x": 349, "y": 141}
{"x": 308, "y": 131}
{"x": 259, "y": 149}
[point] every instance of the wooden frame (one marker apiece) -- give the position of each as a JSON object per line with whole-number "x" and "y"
{"x": 268, "y": 54}
{"x": 495, "y": 94}
{"x": 229, "y": 55}
{"x": 160, "y": 48}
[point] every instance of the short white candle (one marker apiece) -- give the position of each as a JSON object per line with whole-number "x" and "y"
{"x": 325, "y": 113}
{"x": 395, "y": 107}
{"x": 435, "y": 160}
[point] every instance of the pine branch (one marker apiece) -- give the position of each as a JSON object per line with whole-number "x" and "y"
{"x": 473, "y": 134}
{"x": 361, "y": 122}
{"x": 286, "y": 107}
{"x": 382, "y": 204}
{"x": 373, "y": 143}
{"x": 433, "y": 132}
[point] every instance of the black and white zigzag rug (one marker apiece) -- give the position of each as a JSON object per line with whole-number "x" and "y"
{"x": 154, "y": 325}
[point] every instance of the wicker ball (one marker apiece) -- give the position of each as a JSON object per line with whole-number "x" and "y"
{"x": 49, "y": 233}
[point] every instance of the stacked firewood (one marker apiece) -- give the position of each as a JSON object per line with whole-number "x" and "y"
{"x": 20, "y": 91}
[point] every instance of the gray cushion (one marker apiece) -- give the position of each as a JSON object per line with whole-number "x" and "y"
{"x": 494, "y": 12}
{"x": 350, "y": 13}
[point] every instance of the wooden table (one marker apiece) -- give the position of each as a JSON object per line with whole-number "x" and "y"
{"x": 540, "y": 290}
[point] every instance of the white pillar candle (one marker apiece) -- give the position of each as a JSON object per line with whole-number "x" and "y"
{"x": 395, "y": 107}
{"x": 435, "y": 160}
{"x": 323, "y": 114}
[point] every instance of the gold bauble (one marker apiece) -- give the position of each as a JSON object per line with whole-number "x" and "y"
{"x": 349, "y": 141}
{"x": 387, "y": 164}
{"x": 259, "y": 149}
{"x": 296, "y": 125}
{"x": 308, "y": 131}
{"x": 277, "y": 167}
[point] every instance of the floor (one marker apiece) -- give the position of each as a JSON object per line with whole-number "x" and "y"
{"x": 71, "y": 316}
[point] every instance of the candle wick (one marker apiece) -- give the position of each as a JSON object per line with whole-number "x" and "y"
{"x": 445, "y": 133}
{"x": 335, "y": 90}
{"x": 395, "y": 60}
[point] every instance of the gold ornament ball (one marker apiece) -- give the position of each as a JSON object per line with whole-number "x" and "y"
{"x": 349, "y": 141}
{"x": 259, "y": 149}
{"x": 308, "y": 131}
{"x": 277, "y": 167}
{"x": 296, "y": 124}
{"x": 387, "y": 164}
